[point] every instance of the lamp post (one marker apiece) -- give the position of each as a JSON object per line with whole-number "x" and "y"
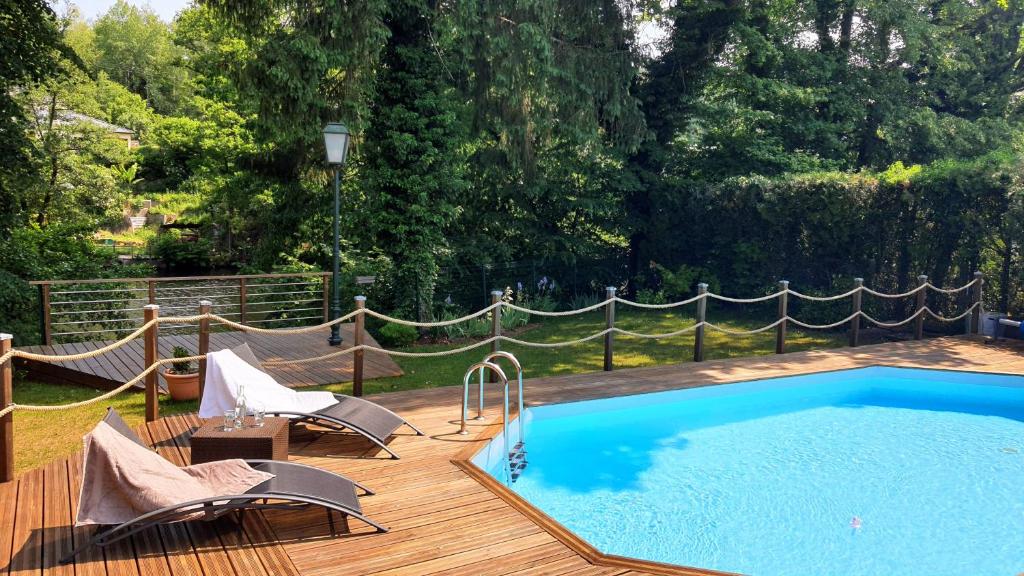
{"x": 336, "y": 143}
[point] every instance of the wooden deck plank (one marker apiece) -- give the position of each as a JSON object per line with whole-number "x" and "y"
{"x": 205, "y": 542}
{"x": 90, "y": 561}
{"x": 57, "y": 541}
{"x": 9, "y": 498}
{"x": 27, "y": 541}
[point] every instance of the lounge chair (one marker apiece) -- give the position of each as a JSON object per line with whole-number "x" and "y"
{"x": 294, "y": 486}
{"x": 373, "y": 421}
{"x": 1000, "y": 329}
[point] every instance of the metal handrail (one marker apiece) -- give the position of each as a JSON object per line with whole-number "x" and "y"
{"x": 465, "y": 391}
{"x": 179, "y": 278}
{"x": 519, "y": 376}
{"x": 125, "y": 289}
{"x": 494, "y": 368}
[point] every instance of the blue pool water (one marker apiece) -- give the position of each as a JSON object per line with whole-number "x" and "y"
{"x": 766, "y": 477}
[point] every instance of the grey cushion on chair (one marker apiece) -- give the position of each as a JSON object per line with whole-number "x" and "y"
{"x": 117, "y": 423}
{"x": 245, "y": 353}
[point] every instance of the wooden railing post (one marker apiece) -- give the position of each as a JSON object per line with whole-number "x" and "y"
{"x": 205, "y": 306}
{"x": 243, "y": 298}
{"x": 357, "y": 340}
{"x": 979, "y": 281}
{"x": 702, "y": 314}
{"x": 151, "y": 284}
{"x": 780, "y": 330}
{"x": 609, "y": 323}
{"x": 151, "y": 348}
{"x": 919, "y": 320}
{"x": 45, "y": 322}
{"x": 495, "y": 328}
{"x": 858, "y": 284}
{"x": 7, "y": 421}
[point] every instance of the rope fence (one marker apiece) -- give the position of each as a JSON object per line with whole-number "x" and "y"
{"x": 206, "y": 319}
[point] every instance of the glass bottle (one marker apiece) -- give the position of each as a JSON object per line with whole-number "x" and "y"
{"x": 240, "y": 407}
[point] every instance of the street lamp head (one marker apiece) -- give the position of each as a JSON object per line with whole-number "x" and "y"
{"x": 336, "y": 142}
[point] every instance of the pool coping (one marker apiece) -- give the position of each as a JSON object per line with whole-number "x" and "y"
{"x": 464, "y": 461}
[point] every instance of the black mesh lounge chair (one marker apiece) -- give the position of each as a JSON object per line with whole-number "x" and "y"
{"x": 363, "y": 417}
{"x": 294, "y": 486}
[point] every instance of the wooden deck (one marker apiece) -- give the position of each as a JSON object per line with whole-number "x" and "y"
{"x": 118, "y": 366}
{"x": 443, "y": 522}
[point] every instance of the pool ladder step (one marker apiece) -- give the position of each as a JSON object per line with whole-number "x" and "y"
{"x": 517, "y": 461}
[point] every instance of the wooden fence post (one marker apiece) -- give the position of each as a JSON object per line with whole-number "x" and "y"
{"x": 151, "y": 312}
{"x": 7, "y": 421}
{"x": 919, "y": 321}
{"x": 45, "y": 322}
{"x": 702, "y": 312}
{"x": 609, "y": 323}
{"x": 204, "y": 343}
{"x": 495, "y": 328}
{"x": 243, "y": 297}
{"x": 858, "y": 285}
{"x": 151, "y": 284}
{"x": 979, "y": 280}
{"x": 357, "y": 340}
{"x": 780, "y": 330}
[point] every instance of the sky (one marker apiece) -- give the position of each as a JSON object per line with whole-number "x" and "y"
{"x": 92, "y": 9}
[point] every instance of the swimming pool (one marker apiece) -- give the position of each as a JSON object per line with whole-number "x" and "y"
{"x": 874, "y": 471}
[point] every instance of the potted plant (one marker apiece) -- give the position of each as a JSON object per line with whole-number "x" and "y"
{"x": 182, "y": 378}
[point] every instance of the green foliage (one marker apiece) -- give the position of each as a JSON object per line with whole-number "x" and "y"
{"x": 34, "y": 253}
{"x": 815, "y": 141}
{"x": 682, "y": 283}
{"x": 179, "y": 253}
{"x": 475, "y": 328}
{"x": 396, "y": 335}
{"x": 135, "y": 48}
{"x": 649, "y": 296}
{"x": 584, "y": 300}
{"x": 414, "y": 161}
{"x": 185, "y": 366}
{"x": 31, "y": 55}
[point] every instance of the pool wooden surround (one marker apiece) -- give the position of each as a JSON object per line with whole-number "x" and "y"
{"x": 445, "y": 516}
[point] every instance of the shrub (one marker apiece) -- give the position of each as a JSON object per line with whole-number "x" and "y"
{"x": 584, "y": 299}
{"x": 511, "y": 319}
{"x": 646, "y": 296}
{"x": 181, "y": 254}
{"x": 396, "y": 335}
{"x": 185, "y": 366}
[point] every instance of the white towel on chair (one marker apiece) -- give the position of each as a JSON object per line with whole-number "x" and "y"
{"x": 225, "y": 371}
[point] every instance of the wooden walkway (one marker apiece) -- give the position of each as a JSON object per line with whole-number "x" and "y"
{"x": 443, "y": 522}
{"x": 118, "y": 366}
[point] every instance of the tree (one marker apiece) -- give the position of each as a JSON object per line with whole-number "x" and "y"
{"x": 413, "y": 161}
{"x": 312, "y": 63}
{"x": 135, "y": 48}
{"x": 552, "y": 115}
{"x": 30, "y": 52}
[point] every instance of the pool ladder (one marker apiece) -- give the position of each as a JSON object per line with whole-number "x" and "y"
{"x": 515, "y": 457}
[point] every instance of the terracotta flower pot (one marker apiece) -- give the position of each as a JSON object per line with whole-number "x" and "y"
{"x": 182, "y": 386}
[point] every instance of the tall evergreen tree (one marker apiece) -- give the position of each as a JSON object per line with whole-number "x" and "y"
{"x": 413, "y": 160}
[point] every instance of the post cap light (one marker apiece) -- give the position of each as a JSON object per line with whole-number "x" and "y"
{"x": 336, "y": 142}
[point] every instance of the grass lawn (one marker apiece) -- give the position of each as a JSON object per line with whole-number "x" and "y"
{"x": 43, "y": 436}
{"x": 589, "y": 356}
{"x": 39, "y": 437}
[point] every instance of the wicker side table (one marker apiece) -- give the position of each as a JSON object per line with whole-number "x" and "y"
{"x": 269, "y": 442}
